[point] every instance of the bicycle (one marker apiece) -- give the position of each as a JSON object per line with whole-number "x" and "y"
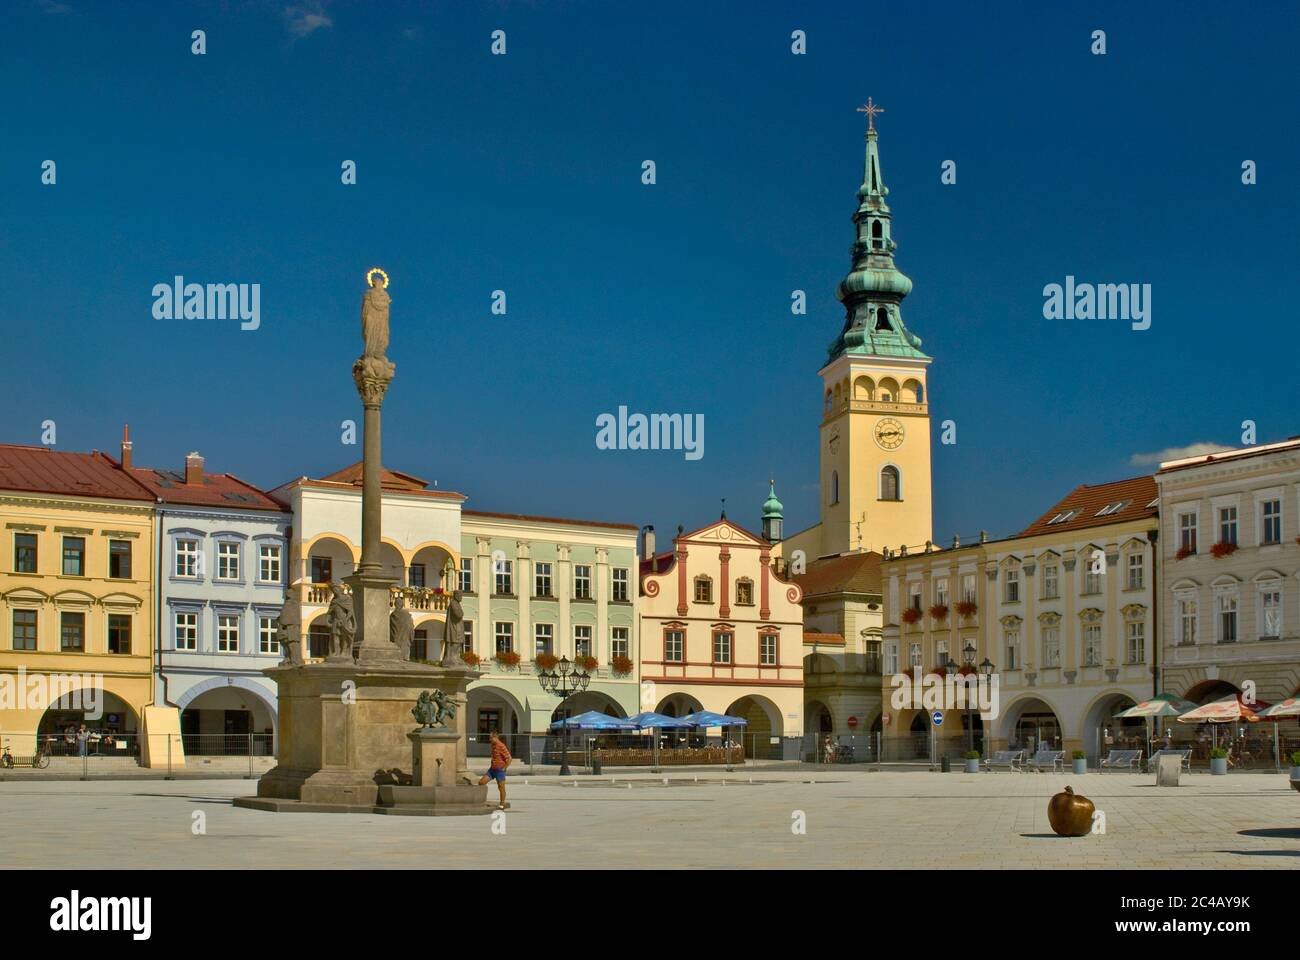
{"x": 39, "y": 761}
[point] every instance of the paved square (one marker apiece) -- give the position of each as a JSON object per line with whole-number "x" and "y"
{"x": 855, "y": 818}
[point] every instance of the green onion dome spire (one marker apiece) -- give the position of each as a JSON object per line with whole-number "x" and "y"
{"x": 874, "y": 289}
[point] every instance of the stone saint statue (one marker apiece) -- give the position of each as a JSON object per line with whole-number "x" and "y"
{"x": 401, "y": 628}
{"x": 454, "y": 640}
{"x": 374, "y": 318}
{"x": 342, "y": 623}
{"x": 288, "y": 631}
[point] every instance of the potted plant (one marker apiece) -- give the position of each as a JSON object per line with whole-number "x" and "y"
{"x": 967, "y": 608}
{"x": 1295, "y": 767}
{"x": 911, "y": 615}
{"x": 470, "y": 657}
{"x": 1224, "y": 548}
{"x": 1080, "y": 759}
{"x": 972, "y": 761}
{"x": 939, "y": 612}
{"x": 1218, "y": 761}
{"x": 508, "y": 659}
{"x": 546, "y": 661}
{"x": 1184, "y": 552}
{"x": 622, "y": 666}
{"x": 587, "y": 663}
{"x": 966, "y": 669}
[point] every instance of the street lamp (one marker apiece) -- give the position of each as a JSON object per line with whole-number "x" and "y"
{"x": 986, "y": 668}
{"x": 563, "y": 681}
{"x": 968, "y": 659}
{"x": 949, "y": 669}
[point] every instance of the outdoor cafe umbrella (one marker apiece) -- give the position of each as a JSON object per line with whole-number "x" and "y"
{"x": 594, "y": 720}
{"x": 591, "y": 720}
{"x": 1163, "y": 705}
{"x": 654, "y": 722}
{"x": 707, "y": 718}
{"x": 1290, "y": 707}
{"x": 1229, "y": 709}
{"x": 703, "y": 719}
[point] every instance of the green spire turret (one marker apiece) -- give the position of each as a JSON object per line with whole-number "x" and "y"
{"x": 773, "y": 514}
{"x": 874, "y": 289}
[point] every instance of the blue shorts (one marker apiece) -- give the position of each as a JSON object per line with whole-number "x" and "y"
{"x": 496, "y": 774}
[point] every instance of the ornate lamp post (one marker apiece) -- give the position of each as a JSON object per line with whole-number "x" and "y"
{"x": 564, "y": 680}
{"x": 987, "y": 669}
{"x": 968, "y": 659}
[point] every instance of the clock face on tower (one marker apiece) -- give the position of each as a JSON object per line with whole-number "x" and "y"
{"x": 889, "y": 434}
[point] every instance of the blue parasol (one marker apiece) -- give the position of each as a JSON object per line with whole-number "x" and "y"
{"x": 593, "y": 720}
{"x": 707, "y": 718}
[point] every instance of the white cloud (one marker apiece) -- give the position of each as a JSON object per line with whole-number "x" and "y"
{"x": 306, "y": 18}
{"x": 1176, "y": 453}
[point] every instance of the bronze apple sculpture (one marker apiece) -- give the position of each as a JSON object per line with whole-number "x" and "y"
{"x": 1070, "y": 814}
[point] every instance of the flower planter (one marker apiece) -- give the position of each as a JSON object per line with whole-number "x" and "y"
{"x": 1295, "y": 777}
{"x": 1218, "y": 766}
{"x": 972, "y": 766}
{"x": 1081, "y": 765}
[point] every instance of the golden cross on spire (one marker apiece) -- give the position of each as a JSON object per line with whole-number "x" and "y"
{"x": 870, "y": 109}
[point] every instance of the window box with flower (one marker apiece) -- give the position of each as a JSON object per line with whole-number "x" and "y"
{"x": 939, "y": 612}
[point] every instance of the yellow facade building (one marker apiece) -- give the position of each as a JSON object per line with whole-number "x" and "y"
{"x": 77, "y": 600}
{"x": 1062, "y": 615}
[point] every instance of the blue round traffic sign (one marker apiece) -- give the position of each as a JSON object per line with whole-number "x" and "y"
{"x": 937, "y": 717}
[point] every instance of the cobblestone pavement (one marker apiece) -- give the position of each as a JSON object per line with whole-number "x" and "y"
{"x": 853, "y": 819}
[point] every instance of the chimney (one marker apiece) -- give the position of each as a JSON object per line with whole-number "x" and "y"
{"x": 647, "y": 542}
{"x": 193, "y": 468}
{"x": 126, "y": 446}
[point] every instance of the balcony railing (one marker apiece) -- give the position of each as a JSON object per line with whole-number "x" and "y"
{"x": 417, "y": 598}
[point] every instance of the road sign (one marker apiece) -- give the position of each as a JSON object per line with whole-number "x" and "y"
{"x": 937, "y": 717}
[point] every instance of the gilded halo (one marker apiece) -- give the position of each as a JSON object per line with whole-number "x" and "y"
{"x": 371, "y": 273}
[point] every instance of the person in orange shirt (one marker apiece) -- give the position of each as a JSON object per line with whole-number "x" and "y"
{"x": 497, "y": 768}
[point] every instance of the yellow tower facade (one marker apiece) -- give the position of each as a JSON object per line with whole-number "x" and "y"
{"x": 875, "y": 431}
{"x": 875, "y": 454}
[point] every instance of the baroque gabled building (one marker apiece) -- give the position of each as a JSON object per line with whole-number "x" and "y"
{"x": 722, "y": 631}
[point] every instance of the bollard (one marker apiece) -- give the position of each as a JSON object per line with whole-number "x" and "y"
{"x": 169, "y": 757}
{"x": 250, "y": 758}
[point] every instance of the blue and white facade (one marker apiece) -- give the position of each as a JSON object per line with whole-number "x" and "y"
{"x": 222, "y": 585}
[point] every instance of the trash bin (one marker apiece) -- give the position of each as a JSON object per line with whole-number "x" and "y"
{"x": 945, "y": 765}
{"x": 595, "y": 766}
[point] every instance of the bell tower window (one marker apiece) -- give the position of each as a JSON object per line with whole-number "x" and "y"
{"x": 889, "y": 484}
{"x": 882, "y": 319}
{"x": 877, "y": 235}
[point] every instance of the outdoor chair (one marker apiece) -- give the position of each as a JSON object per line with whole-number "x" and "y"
{"x": 1006, "y": 760}
{"x": 1043, "y": 759}
{"x": 1185, "y": 754}
{"x": 1122, "y": 758}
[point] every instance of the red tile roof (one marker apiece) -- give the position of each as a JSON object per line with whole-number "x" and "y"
{"x": 388, "y": 479}
{"x": 216, "y": 490}
{"x": 847, "y": 573}
{"x": 45, "y": 470}
{"x": 1137, "y": 494}
{"x": 528, "y": 518}
{"x": 393, "y": 481}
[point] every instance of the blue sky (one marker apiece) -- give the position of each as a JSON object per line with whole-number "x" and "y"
{"x": 522, "y": 173}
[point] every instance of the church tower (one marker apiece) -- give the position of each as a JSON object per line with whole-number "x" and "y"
{"x": 875, "y": 430}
